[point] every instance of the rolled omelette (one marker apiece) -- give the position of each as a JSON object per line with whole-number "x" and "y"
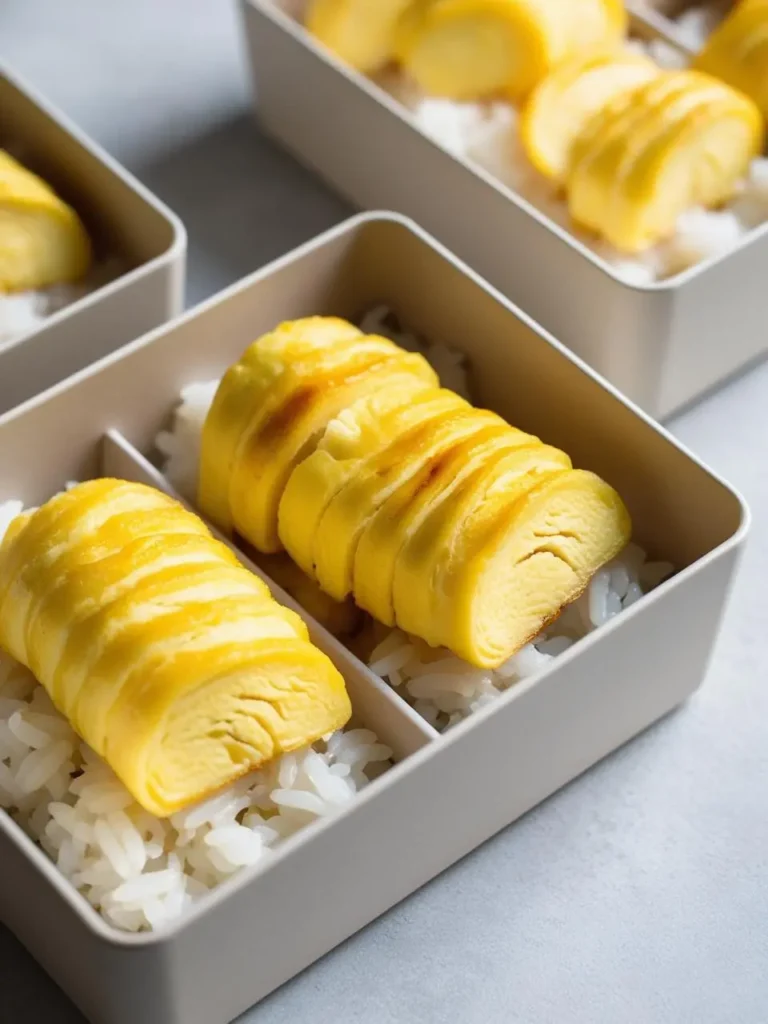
{"x": 737, "y": 51}
{"x": 167, "y": 656}
{"x": 682, "y": 140}
{"x": 42, "y": 240}
{"x": 432, "y": 515}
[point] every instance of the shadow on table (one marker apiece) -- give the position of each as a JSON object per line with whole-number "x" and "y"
{"x": 243, "y": 201}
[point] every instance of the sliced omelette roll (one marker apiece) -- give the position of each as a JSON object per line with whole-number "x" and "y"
{"x": 430, "y": 426}
{"x": 97, "y": 509}
{"x": 85, "y": 587}
{"x": 249, "y": 384}
{"x": 161, "y": 592}
{"x": 272, "y": 407}
{"x": 513, "y": 566}
{"x": 349, "y": 440}
{"x": 171, "y": 660}
{"x": 399, "y": 518}
{"x": 385, "y": 501}
{"x": 737, "y": 51}
{"x": 682, "y": 141}
{"x": 567, "y": 99}
{"x": 484, "y": 495}
{"x": 240, "y": 708}
{"x": 536, "y": 559}
{"x": 473, "y": 49}
{"x": 42, "y": 240}
{"x": 612, "y": 138}
{"x": 270, "y": 451}
{"x": 361, "y": 33}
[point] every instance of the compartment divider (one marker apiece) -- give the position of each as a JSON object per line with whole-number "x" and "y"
{"x": 376, "y": 703}
{"x": 649, "y": 21}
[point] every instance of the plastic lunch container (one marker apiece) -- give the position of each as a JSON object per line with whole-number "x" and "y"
{"x": 337, "y": 875}
{"x": 662, "y": 344}
{"x": 661, "y": 16}
{"x": 127, "y": 223}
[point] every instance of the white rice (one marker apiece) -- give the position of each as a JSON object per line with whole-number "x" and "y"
{"x": 487, "y": 134}
{"x": 441, "y": 687}
{"x": 445, "y": 690}
{"x": 140, "y": 872}
{"x": 21, "y": 313}
{"x": 180, "y": 446}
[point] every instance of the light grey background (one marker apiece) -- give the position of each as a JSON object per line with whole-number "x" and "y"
{"x": 639, "y": 895}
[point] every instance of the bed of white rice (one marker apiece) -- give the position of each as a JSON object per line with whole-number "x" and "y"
{"x": 487, "y": 134}
{"x": 21, "y": 313}
{"x": 140, "y": 872}
{"x": 24, "y": 312}
{"x": 443, "y": 688}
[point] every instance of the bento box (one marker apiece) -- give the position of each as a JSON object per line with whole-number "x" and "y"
{"x": 139, "y": 250}
{"x": 686, "y": 23}
{"x": 663, "y": 343}
{"x": 337, "y": 874}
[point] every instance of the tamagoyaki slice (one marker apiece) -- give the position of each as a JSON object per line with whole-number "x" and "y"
{"x": 400, "y": 516}
{"x": 351, "y": 509}
{"x": 275, "y": 444}
{"x": 484, "y": 497}
{"x": 503, "y": 584}
{"x": 349, "y": 439}
{"x": 246, "y": 386}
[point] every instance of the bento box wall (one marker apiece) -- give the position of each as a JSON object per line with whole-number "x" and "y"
{"x": 102, "y": 324}
{"x": 85, "y": 963}
{"x": 530, "y": 262}
{"x": 730, "y": 326}
{"x": 401, "y": 836}
{"x": 122, "y": 222}
{"x": 365, "y": 146}
{"x": 402, "y": 831}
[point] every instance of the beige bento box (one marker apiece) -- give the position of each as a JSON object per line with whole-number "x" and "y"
{"x": 128, "y": 225}
{"x": 661, "y": 16}
{"x": 336, "y": 876}
{"x": 662, "y": 344}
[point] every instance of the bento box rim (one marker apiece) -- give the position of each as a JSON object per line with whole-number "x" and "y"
{"x": 660, "y": 23}
{"x": 666, "y": 27}
{"x": 89, "y": 917}
{"x": 176, "y": 249}
{"x": 671, "y": 284}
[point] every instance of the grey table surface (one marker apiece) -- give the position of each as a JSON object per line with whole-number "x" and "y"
{"x": 638, "y": 895}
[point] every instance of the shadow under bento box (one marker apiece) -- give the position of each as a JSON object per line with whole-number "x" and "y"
{"x": 337, "y": 875}
{"x": 663, "y": 344}
{"x": 128, "y": 225}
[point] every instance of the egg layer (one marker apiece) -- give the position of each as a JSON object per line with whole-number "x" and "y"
{"x": 168, "y": 657}
{"x": 399, "y": 495}
{"x": 42, "y": 240}
{"x": 682, "y": 140}
{"x": 474, "y": 49}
